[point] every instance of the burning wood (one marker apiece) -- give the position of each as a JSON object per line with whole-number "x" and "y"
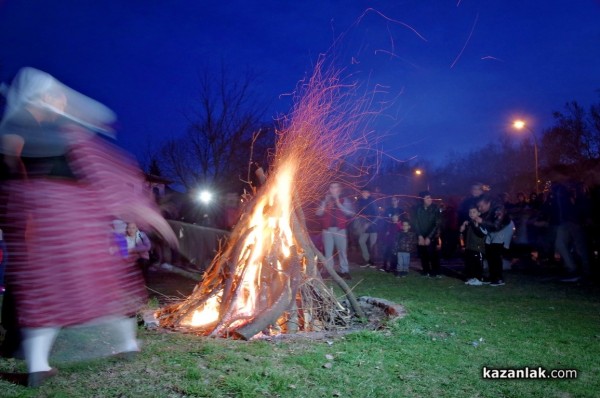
{"x": 266, "y": 277}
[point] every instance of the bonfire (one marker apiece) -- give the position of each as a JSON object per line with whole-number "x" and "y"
{"x": 266, "y": 278}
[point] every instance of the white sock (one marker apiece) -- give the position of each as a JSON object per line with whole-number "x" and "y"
{"x": 126, "y": 329}
{"x": 37, "y": 343}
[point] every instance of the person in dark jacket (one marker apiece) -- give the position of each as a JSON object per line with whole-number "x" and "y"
{"x": 406, "y": 244}
{"x": 389, "y": 237}
{"x": 368, "y": 216}
{"x": 568, "y": 211}
{"x": 474, "y": 243}
{"x": 497, "y": 225}
{"x": 427, "y": 220}
{"x": 469, "y": 201}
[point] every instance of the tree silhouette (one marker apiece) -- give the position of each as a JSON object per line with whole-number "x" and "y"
{"x": 224, "y": 132}
{"x": 575, "y": 138}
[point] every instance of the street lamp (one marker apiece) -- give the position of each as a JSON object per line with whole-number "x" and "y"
{"x": 419, "y": 173}
{"x": 205, "y": 197}
{"x": 520, "y": 125}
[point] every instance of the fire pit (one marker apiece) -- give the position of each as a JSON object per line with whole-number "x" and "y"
{"x": 266, "y": 279}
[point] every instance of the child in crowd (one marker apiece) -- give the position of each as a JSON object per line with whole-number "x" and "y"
{"x": 474, "y": 243}
{"x": 118, "y": 245}
{"x": 406, "y": 243}
{"x": 138, "y": 246}
{"x": 390, "y": 237}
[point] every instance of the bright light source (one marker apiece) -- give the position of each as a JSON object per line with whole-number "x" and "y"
{"x": 518, "y": 124}
{"x": 418, "y": 172}
{"x": 205, "y": 197}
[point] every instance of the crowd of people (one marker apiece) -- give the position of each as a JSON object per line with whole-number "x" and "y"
{"x": 486, "y": 231}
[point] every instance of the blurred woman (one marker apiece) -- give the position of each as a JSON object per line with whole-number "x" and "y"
{"x": 64, "y": 187}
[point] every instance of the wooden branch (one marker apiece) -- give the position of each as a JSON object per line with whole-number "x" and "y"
{"x": 279, "y": 306}
{"x": 267, "y": 317}
{"x": 307, "y": 243}
{"x": 233, "y": 254}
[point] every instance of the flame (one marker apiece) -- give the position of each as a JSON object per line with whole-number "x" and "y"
{"x": 269, "y": 226}
{"x": 208, "y": 314}
{"x": 327, "y": 125}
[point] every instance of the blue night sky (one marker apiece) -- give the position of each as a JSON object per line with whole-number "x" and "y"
{"x": 465, "y": 71}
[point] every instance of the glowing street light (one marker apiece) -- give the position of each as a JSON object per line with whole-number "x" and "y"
{"x": 205, "y": 197}
{"x": 520, "y": 125}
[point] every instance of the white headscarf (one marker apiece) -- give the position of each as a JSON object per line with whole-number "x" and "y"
{"x": 27, "y": 91}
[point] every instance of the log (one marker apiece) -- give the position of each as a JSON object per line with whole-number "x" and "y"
{"x": 292, "y": 322}
{"x": 267, "y": 317}
{"x": 283, "y": 302}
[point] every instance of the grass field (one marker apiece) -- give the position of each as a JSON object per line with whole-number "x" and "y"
{"x": 439, "y": 349}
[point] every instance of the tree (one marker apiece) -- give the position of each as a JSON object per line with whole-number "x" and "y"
{"x": 225, "y": 130}
{"x": 575, "y": 138}
{"x": 503, "y": 165}
{"x": 154, "y": 167}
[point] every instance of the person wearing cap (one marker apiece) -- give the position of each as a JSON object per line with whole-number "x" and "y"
{"x": 426, "y": 221}
{"x": 62, "y": 177}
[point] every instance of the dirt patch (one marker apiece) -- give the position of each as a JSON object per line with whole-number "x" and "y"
{"x": 167, "y": 287}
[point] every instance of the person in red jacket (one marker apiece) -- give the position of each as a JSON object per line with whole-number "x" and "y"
{"x": 334, "y": 211}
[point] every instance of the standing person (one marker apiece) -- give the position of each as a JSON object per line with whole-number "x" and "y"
{"x": 449, "y": 229}
{"x": 568, "y": 212}
{"x": 60, "y": 273}
{"x": 367, "y": 217}
{"x": 536, "y": 201}
{"x": 391, "y": 227}
{"x": 118, "y": 241}
{"x": 427, "y": 220}
{"x": 390, "y": 237}
{"x": 394, "y": 209}
{"x": 138, "y": 247}
{"x": 499, "y": 229}
{"x": 334, "y": 211}
{"x": 406, "y": 244}
{"x": 474, "y": 242}
{"x": 469, "y": 201}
